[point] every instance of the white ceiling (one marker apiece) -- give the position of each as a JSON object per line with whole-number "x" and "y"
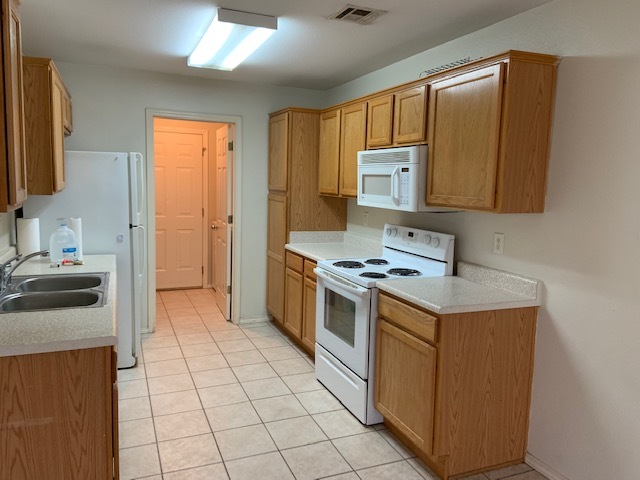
{"x": 307, "y": 51}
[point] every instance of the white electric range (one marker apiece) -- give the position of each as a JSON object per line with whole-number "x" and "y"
{"x": 347, "y": 309}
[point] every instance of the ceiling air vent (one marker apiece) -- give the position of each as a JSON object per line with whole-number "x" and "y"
{"x": 356, "y": 14}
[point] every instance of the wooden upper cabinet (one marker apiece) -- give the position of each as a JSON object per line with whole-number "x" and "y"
{"x": 380, "y": 122}
{"x": 47, "y": 102}
{"x": 278, "y": 152}
{"x": 410, "y": 116}
{"x": 329, "y": 161}
{"x": 464, "y": 129}
{"x": 352, "y": 140}
{"x": 13, "y": 178}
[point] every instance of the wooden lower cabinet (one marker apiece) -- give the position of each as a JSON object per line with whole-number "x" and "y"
{"x": 294, "y": 284}
{"x": 459, "y": 400}
{"x": 300, "y": 301}
{"x": 58, "y": 415}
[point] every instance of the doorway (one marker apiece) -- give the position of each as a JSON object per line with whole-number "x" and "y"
{"x": 192, "y": 190}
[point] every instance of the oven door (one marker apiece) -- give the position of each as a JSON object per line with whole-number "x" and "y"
{"x": 343, "y": 311}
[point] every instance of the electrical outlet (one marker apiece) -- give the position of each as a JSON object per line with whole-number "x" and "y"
{"x": 365, "y": 219}
{"x": 498, "y": 243}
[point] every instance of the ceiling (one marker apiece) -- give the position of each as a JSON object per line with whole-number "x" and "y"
{"x": 307, "y": 51}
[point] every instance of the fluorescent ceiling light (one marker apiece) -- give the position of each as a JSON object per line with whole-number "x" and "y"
{"x": 231, "y": 38}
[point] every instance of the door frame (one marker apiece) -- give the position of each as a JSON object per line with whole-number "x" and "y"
{"x": 236, "y": 234}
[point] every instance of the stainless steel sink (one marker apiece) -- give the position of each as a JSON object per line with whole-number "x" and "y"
{"x": 50, "y": 292}
{"x": 54, "y": 283}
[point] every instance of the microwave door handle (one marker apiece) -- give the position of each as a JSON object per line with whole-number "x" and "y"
{"x": 395, "y": 186}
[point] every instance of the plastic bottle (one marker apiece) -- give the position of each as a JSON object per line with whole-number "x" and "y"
{"x": 63, "y": 243}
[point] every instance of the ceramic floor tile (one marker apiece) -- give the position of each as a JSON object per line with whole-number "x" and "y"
{"x": 228, "y": 335}
{"x": 194, "y": 339}
{"x": 158, "y": 342}
{"x": 186, "y": 320}
{"x": 244, "y": 442}
{"x": 304, "y": 382}
{"x": 339, "y": 424}
{"x": 347, "y": 476}
{"x": 269, "y": 342}
{"x": 391, "y": 470}
{"x": 366, "y": 450}
{"x": 477, "y": 476}
{"x": 190, "y": 329}
{"x": 211, "y": 378}
{"x": 249, "y": 357}
{"x": 135, "y": 433}
{"x": 258, "y": 371}
{"x": 422, "y": 469}
{"x": 134, "y": 409}
{"x": 237, "y": 415}
{"x": 160, "y": 354}
{"x": 397, "y": 444}
{"x": 269, "y": 466}
{"x": 263, "y": 331}
{"x": 235, "y": 346}
{"x": 315, "y": 461}
{"x": 133, "y": 389}
{"x": 508, "y": 471}
{"x": 206, "y": 362}
{"x": 188, "y": 452}
{"x": 176, "y": 402}
{"x": 138, "y": 462}
{"x": 279, "y": 353}
{"x": 319, "y": 401}
{"x": 265, "y": 388}
{"x": 295, "y": 432}
{"x": 179, "y": 425}
{"x": 291, "y": 367}
{"x": 279, "y": 408}
{"x": 207, "y": 310}
{"x": 183, "y": 311}
{"x": 210, "y": 472}
{"x": 163, "y": 329}
{"x": 531, "y": 475}
{"x": 166, "y": 367}
{"x": 222, "y": 395}
{"x": 200, "y": 350}
{"x": 170, "y": 383}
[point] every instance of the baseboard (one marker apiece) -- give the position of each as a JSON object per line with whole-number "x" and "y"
{"x": 543, "y": 468}
{"x": 250, "y": 320}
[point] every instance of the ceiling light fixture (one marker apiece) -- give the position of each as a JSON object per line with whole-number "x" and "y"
{"x": 231, "y": 38}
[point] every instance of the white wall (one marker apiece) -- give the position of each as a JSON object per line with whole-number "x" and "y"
{"x": 585, "y": 415}
{"x": 109, "y": 114}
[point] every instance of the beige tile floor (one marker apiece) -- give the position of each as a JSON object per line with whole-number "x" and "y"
{"x": 211, "y": 401}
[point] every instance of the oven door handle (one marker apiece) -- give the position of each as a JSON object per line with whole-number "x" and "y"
{"x": 343, "y": 283}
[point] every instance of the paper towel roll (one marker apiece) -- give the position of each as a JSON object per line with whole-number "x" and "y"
{"x": 28, "y": 231}
{"x": 75, "y": 224}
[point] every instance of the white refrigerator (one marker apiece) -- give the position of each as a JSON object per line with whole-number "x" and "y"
{"x": 108, "y": 191}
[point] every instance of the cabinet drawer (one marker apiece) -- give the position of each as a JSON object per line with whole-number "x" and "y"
{"x": 309, "y": 265}
{"x": 411, "y": 319}
{"x": 294, "y": 262}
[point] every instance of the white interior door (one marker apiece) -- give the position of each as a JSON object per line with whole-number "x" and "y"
{"x": 221, "y": 227}
{"x": 179, "y": 209}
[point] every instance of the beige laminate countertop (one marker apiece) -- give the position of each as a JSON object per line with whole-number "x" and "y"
{"x": 64, "y": 329}
{"x": 332, "y": 245}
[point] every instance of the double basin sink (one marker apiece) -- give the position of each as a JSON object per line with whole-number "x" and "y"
{"x": 48, "y": 292}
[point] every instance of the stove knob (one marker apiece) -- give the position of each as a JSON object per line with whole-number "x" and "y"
{"x": 392, "y": 232}
{"x": 427, "y": 239}
{"x": 436, "y": 242}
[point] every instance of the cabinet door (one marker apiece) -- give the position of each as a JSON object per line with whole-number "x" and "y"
{"x": 12, "y": 158}
{"x": 379, "y": 122}
{"x": 329, "y": 161}
{"x": 352, "y": 140}
{"x": 57, "y": 132}
{"x": 405, "y": 383}
{"x": 293, "y": 304}
{"x": 278, "y": 152}
{"x": 464, "y": 135}
{"x": 276, "y": 239}
{"x": 309, "y": 314}
{"x": 410, "y": 116}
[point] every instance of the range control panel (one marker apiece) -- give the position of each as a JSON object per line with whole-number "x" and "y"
{"x": 426, "y": 243}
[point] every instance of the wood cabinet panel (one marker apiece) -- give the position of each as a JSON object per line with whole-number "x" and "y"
{"x": 309, "y": 302}
{"x": 329, "y": 153}
{"x": 276, "y": 239}
{"x": 410, "y": 116}
{"x": 278, "y": 152}
{"x": 380, "y": 122}
{"x": 352, "y": 140}
{"x": 56, "y": 415}
{"x": 294, "y": 283}
{"x": 464, "y": 128}
{"x": 13, "y": 178}
{"x": 295, "y": 262}
{"x": 275, "y": 287}
{"x": 405, "y": 383}
{"x": 411, "y": 319}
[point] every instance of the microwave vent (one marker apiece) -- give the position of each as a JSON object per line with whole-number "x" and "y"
{"x": 381, "y": 156}
{"x": 356, "y": 14}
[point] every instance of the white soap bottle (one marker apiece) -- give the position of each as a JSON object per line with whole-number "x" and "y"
{"x": 63, "y": 243}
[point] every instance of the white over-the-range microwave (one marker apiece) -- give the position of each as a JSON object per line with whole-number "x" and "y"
{"x": 394, "y": 178}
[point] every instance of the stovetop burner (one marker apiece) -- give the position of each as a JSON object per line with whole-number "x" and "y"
{"x": 404, "y": 272}
{"x": 376, "y": 261}
{"x": 373, "y": 275}
{"x": 349, "y": 264}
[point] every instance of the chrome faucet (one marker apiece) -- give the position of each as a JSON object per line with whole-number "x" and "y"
{"x": 6, "y": 269}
